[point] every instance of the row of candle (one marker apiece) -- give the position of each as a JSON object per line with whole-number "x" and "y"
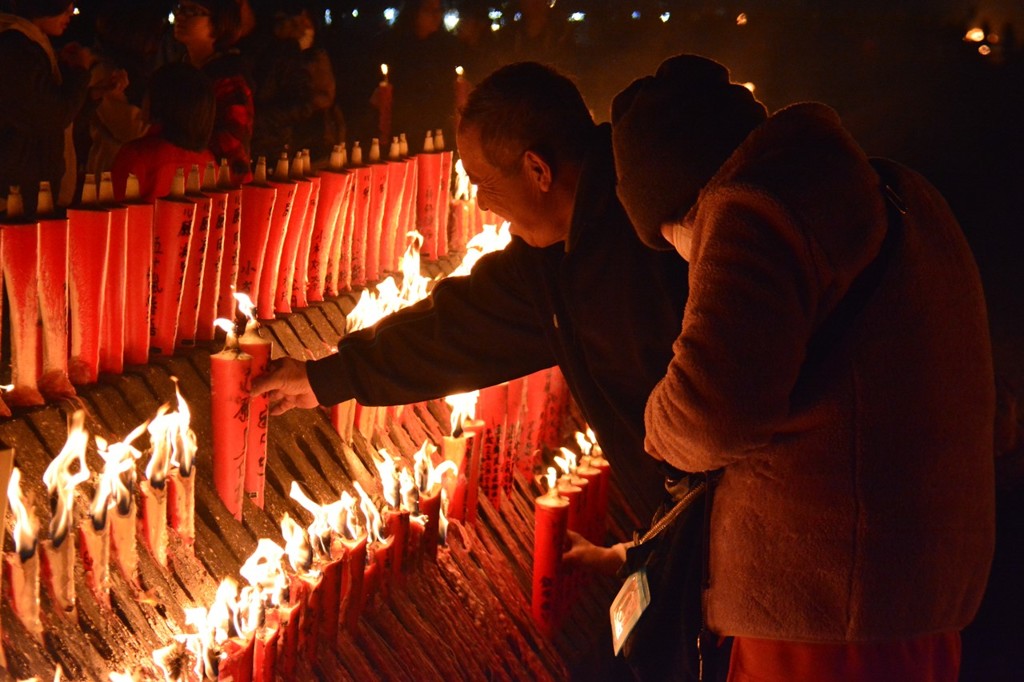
{"x": 145, "y": 278}
{"x": 122, "y": 503}
{"x": 577, "y": 501}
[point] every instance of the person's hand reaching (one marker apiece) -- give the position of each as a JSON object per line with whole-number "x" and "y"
{"x": 286, "y": 385}
{"x": 585, "y": 554}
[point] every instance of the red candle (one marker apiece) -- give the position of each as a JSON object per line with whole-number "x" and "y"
{"x": 257, "y": 211}
{"x": 94, "y": 549}
{"x": 181, "y": 503}
{"x": 137, "y": 291}
{"x": 392, "y": 209}
{"x": 237, "y": 656}
{"x": 230, "y": 381}
{"x": 360, "y": 225}
{"x": 112, "y": 328}
{"x": 293, "y": 236}
{"x": 258, "y": 347}
{"x": 551, "y": 516}
{"x": 333, "y": 188}
{"x": 172, "y": 231}
{"x": 352, "y": 555}
{"x": 53, "y": 302}
{"x": 462, "y": 88}
{"x": 265, "y": 649}
{"x": 232, "y": 245}
{"x": 154, "y": 518}
{"x": 397, "y": 522}
{"x": 89, "y": 239}
{"x": 214, "y": 261}
{"x": 21, "y": 283}
{"x": 595, "y": 512}
{"x": 192, "y": 283}
{"x": 430, "y": 508}
{"x": 279, "y": 224}
{"x": 300, "y": 282}
{"x": 444, "y": 200}
{"x": 492, "y": 409}
{"x": 407, "y": 218}
{"x": 291, "y": 615}
{"x": 428, "y": 183}
{"x": 384, "y": 97}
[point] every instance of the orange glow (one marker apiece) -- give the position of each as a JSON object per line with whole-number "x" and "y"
{"x": 975, "y": 35}
{"x": 296, "y": 545}
{"x": 984, "y": 50}
{"x": 741, "y": 19}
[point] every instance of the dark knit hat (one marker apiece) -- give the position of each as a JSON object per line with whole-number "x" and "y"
{"x": 671, "y": 133}
{"x": 32, "y": 9}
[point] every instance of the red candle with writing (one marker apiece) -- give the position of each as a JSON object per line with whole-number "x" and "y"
{"x": 172, "y": 231}
{"x": 258, "y": 347}
{"x": 551, "y": 518}
{"x": 230, "y": 380}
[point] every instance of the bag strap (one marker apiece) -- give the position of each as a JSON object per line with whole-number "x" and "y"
{"x": 837, "y": 324}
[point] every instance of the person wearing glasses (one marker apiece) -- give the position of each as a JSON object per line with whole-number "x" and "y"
{"x": 208, "y": 29}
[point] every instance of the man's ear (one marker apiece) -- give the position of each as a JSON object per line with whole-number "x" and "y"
{"x": 538, "y": 170}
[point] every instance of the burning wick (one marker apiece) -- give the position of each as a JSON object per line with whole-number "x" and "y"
{"x": 61, "y": 482}
{"x": 26, "y": 526}
{"x": 384, "y": 72}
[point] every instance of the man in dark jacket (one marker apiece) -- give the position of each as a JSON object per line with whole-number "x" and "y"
{"x": 575, "y": 288}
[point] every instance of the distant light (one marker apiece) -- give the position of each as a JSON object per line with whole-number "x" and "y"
{"x": 170, "y": 18}
{"x": 390, "y": 14}
{"x": 328, "y": 19}
{"x": 635, "y": 14}
{"x": 577, "y": 16}
{"x": 975, "y": 35}
{"x": 993, "y": 38}
{"x": 76, "y": 11}
{"x": 518, "y": 16}
{"x": 665, "y": 16}
{"x": 355, "y": 14}
{"x": 741, "y": 19}
{"x": 495, "y": 26}
{"x": 749, "y": 86}
{"x": 984, "y": 50}
{"x": 495, "y": 15}
{"x": 451, "y": 20}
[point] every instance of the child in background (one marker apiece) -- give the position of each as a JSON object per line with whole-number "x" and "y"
{"x": 180, "y": 109}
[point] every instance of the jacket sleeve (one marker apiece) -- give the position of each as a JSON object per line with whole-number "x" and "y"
{"x": 754, "y": 301}
{"x": 471, "y": 332}
{"x": 36, "y": 102}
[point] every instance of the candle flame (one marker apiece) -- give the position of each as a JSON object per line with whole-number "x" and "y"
{"x": 459, "y": 71}
{"x": 26, "y": 526}
{"x": 414, "y": 284}
{"x": 409, "y": 491}
{"x": 437, "y": 475}
{"x": 352, "y": 528}
{"x": 552, "y": 479}
{"x": 228, "y": 327}
{"x": 119, "y": 476}
{"x": 296, "y": 545}
{"x": 975, "y": 35}
{"x": 584, "y": 443}
{"x": 384, "y": 71}
{"x": 371, "y": 517}
{"x": 187, "y": 443}
{"x": 567, "y": 462}
{"x": 61, "y": 482}
{"x": 463, "y": 409}
{"x": 121, "y": 677}
{"x": 264, "y": 571}
{"x": 442, "y": 519}
{"x": 389, "y": 480}
{"x": 247, "y": 308}
{"x": 462, "y": 184}
{"x": 490, "y": 238}
{"x": 323, "y": 524}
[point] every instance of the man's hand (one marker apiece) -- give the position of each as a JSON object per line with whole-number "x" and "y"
{"x": 286, "y": 385}
{"x": 585, "y": 554}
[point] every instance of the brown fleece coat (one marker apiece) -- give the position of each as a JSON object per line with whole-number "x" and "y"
{"x": 857, "y": 501}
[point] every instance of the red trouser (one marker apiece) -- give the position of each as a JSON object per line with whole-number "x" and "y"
{"x": 933, "y": 658}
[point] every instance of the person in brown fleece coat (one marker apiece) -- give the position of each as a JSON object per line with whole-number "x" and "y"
{"x": 851, "y": 414}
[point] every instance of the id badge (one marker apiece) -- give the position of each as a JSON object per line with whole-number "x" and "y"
{"x": 628, "y": 606}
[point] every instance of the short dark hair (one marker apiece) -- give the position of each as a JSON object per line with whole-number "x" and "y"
{"x": 529, "y": 106}
{"x": 181, "y": 100}
{"x": 34, "y": 9}
{"x": 225, "y": 20}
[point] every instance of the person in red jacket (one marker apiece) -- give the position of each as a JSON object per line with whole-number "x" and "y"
{"x": 180, "y": 109}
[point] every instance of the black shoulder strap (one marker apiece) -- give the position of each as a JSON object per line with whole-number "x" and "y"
{"x": 846, "y": 311}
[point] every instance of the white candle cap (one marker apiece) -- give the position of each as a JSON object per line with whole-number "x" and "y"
{"x": 210, "y": 177}
{"x": 192, "y": 183}
{"x": 281, "y": 172}
{"x": 260, "y": 175}
{"x": 15, "y": 206}
{"x": 131, "y": 187}
{"x": 178, "y": 183}
{"x": 44, "y": 205}
{"x": 357, "y": 154}
{"x": 89, "y": 190}
{"x": 374, "y": 150}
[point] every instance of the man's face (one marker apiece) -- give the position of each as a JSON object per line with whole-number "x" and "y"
{"x": 520, "y": 195}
